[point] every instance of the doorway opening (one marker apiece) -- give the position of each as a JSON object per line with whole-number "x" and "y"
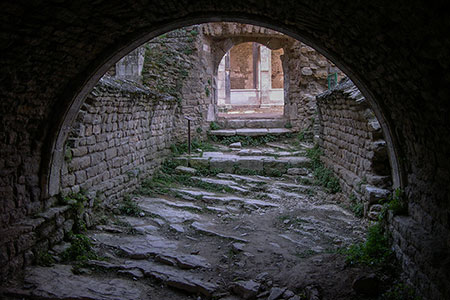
{"x": 251, "y": 82}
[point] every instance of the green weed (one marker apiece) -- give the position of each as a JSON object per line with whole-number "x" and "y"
{"x": 395, "y": 203}
{"x": 166, "y": 178}
{"x": 179, "y": 149}
{"x": 323, "y": 176}
{"x": 44, "y": 259}
{"x": 400, "y": 291}
{"x": 214, "y": 126}
{"x": 80, "y": 249}
{"x": 247, "y": 140}
{"x": 129, "y": 207}
{"x": 374, "y": 251}
{"x": 78, "y": 203}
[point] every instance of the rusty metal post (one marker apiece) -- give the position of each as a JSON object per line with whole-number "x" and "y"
{"x": 189, "y": 137}
{"x": 189, "y": 134}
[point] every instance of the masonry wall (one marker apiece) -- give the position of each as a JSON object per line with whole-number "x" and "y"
{"x": 353, "y": 146}
{"x": 122, "y": 133}
{"x": 306, "y": 77}
{"x": 179, "y": 63}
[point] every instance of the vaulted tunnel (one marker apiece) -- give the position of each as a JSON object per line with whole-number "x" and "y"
{"x": 395, "y": 53}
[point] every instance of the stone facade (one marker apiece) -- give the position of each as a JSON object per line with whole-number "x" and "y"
{"x": 122, "y": 133}
{"x": 353, "y": 145}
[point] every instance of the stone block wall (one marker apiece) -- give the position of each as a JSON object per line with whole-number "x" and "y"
{"x": 122, "y": 133}
{"x": 305, "y": 77}
{"x": 179, "y": 63}
{"x": 353, "y": 145}
{"x": 31, "y": 238}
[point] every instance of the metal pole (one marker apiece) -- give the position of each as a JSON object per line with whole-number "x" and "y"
{"x": 189, "y": 137}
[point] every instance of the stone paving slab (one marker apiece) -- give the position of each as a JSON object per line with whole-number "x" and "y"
{"x": 168, "y": 213}
{"x": 243, "y": 178}
{"x": 242, "y": 200}
{"x": 176, "y": 278}
{"x": 175, "y": 203}
{"x": 136, "y": 246}
{"x": 250, "y": 131}
{"x": 208, "y": 229}
{"x": 58, "y": 282}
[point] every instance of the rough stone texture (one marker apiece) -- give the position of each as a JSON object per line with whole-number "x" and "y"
{"x": 122, "y": 133}
{"x": 305, "y": 77}
{"x": 180, "y": 63}
{"x": 396, "y": 52}
{"x": 353, "y": 144}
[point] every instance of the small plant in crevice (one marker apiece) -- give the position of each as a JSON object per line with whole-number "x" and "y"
{"x": 167, "y": 178}
{"x": 248, "y": 140}
{"x": 44, "y": 259}
{"x": 129, "y": 207}
{"x": 395, "y": 203}
{"x": 400, "y": 291}
{"x": 375, "y": 251}
{"x": 238, "y": 170}
{"x": 68, "y": 154}
{"x": 181, "y": 148}
{"x": 214, "y": 126}
{"x": 78, "y": 202}
{"x": 356, "y": 207}
{"x": 80, "y": 249}
{"x": 322, "y": 175}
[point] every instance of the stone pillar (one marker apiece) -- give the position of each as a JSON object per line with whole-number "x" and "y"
{"x": 227, "y": 80}
{"x": 265, "y": 76}
{"x": 130, "y": 66}
{"x": 221, "y": 83}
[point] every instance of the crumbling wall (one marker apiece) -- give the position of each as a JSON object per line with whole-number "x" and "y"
{"x": 305, "y": 76}
{"x": 353, "y": 146}
{"x": 179, "y": 63}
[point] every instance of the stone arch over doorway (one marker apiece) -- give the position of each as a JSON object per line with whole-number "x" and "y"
{"x": 245, "y": 76}
{"x": 54, "y": 155}
{"x": 394, "y": 53}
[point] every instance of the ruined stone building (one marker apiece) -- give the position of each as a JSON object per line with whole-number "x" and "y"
{"x": 94, "y": 94}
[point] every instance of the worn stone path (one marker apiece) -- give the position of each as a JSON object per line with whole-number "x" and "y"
{"x": 269, "y": 238}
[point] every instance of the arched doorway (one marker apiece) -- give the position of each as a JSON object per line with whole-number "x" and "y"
{"x": 250, "y": 75}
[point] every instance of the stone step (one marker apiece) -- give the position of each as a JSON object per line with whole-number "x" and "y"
{"x": 251, "y": 131}
{"x": 174, "y": 277}
{"x": 228, "y": 162}
{"x": 230, "y": 184}
{"x": 210, "y": 229}
{"x": 254, "y": 203}
{"x": 151, "y": 246}
{"x": 227, "y": 200}
{"x": 172, "y": 215}
{"x": 252, "y": 123}
{"x": 58, "y": 282}
{"x": 269, "y": 152}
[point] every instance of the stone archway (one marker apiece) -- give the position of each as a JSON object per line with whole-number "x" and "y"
{"x": 55, "y": 151}
{"x": 394, "y": 53}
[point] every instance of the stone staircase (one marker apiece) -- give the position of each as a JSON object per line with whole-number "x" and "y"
{"x": 251, "y": 127}
{"x": 255, "y": 228}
